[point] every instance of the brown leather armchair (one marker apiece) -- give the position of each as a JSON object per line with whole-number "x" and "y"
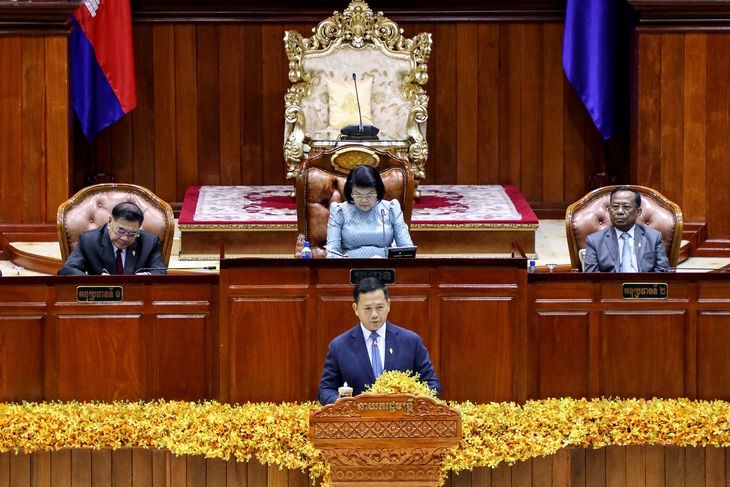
{"x": 91, "y": 207}
{"x": 590, "y": 214}
{"x": 321, "y": 182}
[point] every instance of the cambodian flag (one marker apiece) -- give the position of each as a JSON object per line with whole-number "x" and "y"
{"x": 590, "y": 57}
{"x": 102, "y": 63}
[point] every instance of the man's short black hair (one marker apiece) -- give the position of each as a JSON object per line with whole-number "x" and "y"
{"x": 368, "y": 285}
{"x": 364, "y": 177}
{"x": 637, "y": 196}
{"x": 129, "y": 212}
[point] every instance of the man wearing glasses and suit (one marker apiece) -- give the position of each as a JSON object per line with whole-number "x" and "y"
{"x": 117, "y": 247}
{"x": 625, "y": 246}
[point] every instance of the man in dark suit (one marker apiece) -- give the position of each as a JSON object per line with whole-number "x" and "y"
{"x": 117, "y": 247}
{"x": 626, "y": 246}
{"x": 373, "y": 346}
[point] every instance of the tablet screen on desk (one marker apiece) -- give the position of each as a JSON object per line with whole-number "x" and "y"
{"x": 396, "y": 252}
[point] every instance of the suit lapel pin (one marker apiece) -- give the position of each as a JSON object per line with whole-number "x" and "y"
{"x": 639, "y": 244}
{"x": 134, "y": 252}
{"x": 391, "y": 351}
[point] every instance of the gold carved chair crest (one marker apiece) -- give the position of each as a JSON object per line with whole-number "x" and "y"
{"x": 393, "y": 68}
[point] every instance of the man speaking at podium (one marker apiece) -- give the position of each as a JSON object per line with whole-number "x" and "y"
{"x": 117, "y": 247}
{"x": 374, "y": 345}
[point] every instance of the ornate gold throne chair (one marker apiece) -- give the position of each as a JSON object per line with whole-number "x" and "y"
{"x": 372, "y": 47}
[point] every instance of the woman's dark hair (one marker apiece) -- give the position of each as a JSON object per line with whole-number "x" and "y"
{"x": 364, "y": 177}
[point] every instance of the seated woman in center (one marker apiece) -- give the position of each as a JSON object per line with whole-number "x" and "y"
{"x": 361, "y": 226}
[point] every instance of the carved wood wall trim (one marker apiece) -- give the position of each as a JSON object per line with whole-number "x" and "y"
{"x": 682, "y": 15}
{"x": 272, "y": 16}
{"x": 35, "y": 18}
{"x": 284, "y": 11}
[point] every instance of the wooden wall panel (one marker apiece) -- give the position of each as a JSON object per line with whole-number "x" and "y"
{"x": 34, "y": 122}
{"x": 186, "y": 115}
{"x": 86, "y": 369}
{"x": 713, "y": 352}
{"x": 564, "y": 354}
{"x": 646, "y": 361}
{"x": 180, "y": 358}
{"x": 21, "y": 357}
{"x": 718, "y": 141}
{"x": 682, "y": 124}
{"x": 500, "y": 111}
{"x": 11, "y": 105}
{"x": 695, "y": 125}
{"x": 484, "y": 349}
{"x": 253, "y": 346}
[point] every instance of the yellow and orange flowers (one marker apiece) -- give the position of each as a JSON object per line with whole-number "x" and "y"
{"x": 276, "y": 434}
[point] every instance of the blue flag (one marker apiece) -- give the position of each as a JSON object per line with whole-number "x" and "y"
{"x": 590, "y": 45}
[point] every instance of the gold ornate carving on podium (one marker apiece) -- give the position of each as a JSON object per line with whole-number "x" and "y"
{"x": 385, "y": 439}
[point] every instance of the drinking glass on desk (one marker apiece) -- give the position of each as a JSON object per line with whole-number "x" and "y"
{"x": 333, "y": 254}
{"x": 550, "y": 266}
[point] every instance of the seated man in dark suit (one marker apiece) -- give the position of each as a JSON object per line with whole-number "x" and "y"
{"x": 117, "y": 247}
{"x": 626, "y": 246}
{"x": 374, "y": 345}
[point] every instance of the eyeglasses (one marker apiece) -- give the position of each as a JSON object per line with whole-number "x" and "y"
{"x": 626, "y": 208}
{"x": 364, "y": 196}
{"x": 122, "y": 232}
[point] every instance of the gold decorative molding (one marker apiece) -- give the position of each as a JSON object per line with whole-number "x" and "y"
{"x": 357, "y": 26}
{"x": 347, "y": 158}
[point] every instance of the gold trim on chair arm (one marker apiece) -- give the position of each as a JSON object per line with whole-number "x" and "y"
{"x": 294, "y": 127}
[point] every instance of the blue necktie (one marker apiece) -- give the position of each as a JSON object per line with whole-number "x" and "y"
{"x": 377, "y": 365}
{"x": 626, "y": 254}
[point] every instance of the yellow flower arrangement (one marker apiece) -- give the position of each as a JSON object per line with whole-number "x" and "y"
{"x": 276, "y": 434}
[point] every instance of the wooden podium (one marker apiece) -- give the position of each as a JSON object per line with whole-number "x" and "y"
{"x": 385, "y": 439}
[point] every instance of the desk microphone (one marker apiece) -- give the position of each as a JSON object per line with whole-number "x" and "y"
{"x": 704, "y": 269}
{"x": 359, "y": 132}
{"x": 385, "y": 248}
{"x": 147, "y": 269}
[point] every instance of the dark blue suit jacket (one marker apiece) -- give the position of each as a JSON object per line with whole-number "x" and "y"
{"x": 94, "y": 252}
{"x": 347, "y": 361}
{"x": 602, "y": 251}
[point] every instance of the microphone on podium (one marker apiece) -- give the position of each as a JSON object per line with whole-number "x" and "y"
{"x": 148, "y": 269}
{"x": 359, "y": 132}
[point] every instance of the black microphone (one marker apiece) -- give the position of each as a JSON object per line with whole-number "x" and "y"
{"x": 147, "y": 269}
{"x": 357, "y": 97}
{"x": 359, "y": 132}
{"x": 704, "y": 269}
{"x": 385, "y": 248}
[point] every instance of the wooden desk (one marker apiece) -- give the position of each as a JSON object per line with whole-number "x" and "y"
{"x": 279, "y": 315}
{"x": 261, "y": 333}
{"x": 586, "y": 340}
{"x": 160, "y": 342}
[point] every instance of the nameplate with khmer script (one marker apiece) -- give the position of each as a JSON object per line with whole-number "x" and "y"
{"x": 385, "y": 275}
{"x": 640, "y": 290}
{"x": 105, "y": 294}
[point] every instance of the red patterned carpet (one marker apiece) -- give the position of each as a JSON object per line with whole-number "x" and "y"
{"x": 440, "y": 206}
{"x": 447, "y": 220}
